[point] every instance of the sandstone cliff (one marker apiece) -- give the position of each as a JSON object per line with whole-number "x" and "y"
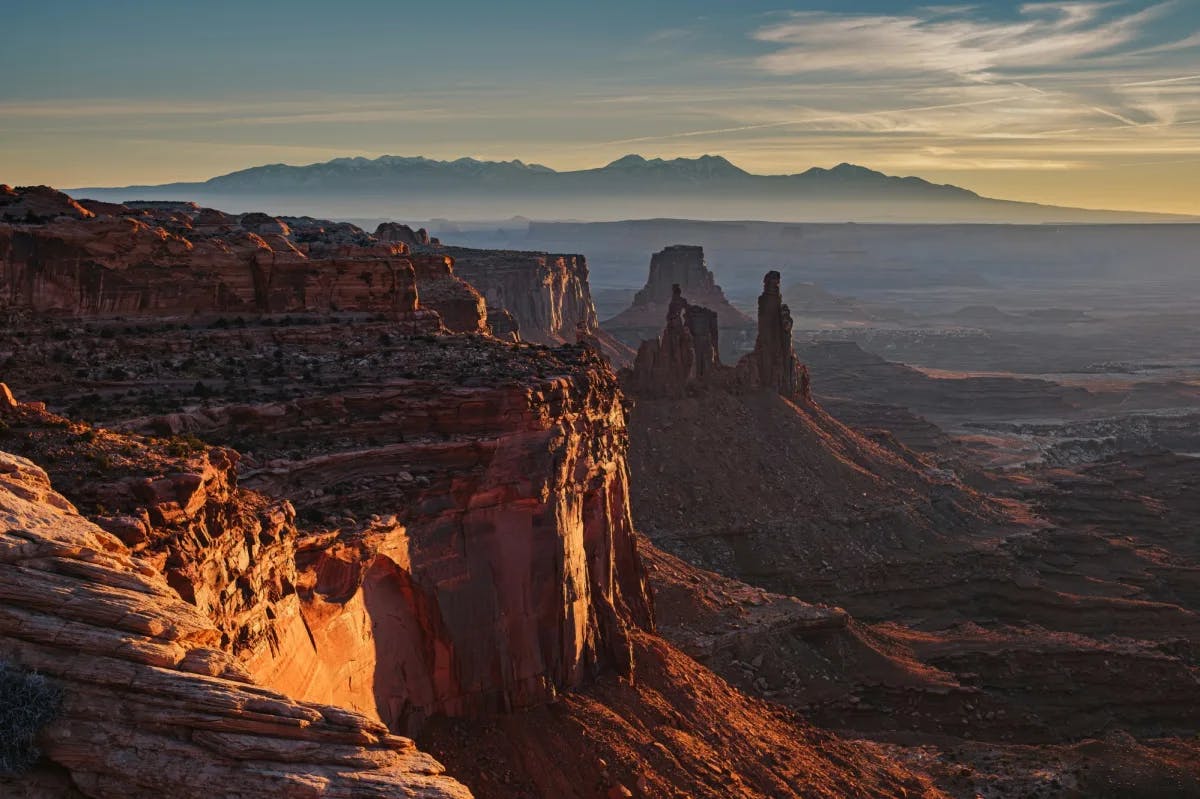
{"x": 462, "y": 307}
{"x": 58, "y": 257}
{"x": 462, "y": 553}
{"x": 546, "y": 294}
{"x": 472, "y": 549}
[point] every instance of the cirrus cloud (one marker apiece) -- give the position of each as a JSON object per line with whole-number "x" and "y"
{"x": 954, "y": 41}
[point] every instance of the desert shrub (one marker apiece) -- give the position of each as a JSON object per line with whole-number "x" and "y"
{"x": 183, "y": 446}
{"x": 28, "y": 702}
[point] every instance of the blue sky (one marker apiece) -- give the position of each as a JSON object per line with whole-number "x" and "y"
{"x": 1086, "y": 102}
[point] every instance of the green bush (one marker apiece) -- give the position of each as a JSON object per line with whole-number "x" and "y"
{"x": 28, "y": 702}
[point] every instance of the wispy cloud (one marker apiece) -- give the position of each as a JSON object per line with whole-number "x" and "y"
{"x": 843, "y": 118}
{"x": 953, "y": 41}
{"x": 941, "y": 90}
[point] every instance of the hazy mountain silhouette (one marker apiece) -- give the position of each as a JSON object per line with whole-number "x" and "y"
{"x": 708, "y": 187}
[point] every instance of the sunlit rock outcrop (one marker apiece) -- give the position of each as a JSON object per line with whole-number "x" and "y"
{"x": 152, "y": 706}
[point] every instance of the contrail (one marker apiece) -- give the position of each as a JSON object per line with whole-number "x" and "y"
{"x": 833, "y": 118}
{"x": 1115, "y": 116}
{"x": 1162, "y": 82}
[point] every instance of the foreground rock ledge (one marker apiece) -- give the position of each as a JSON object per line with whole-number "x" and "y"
{"x": 151, "y": 707}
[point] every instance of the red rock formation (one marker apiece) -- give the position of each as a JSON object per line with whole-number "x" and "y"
{"x": 210, "y": 221}
{"x": 124, "y": 266}
{"x": 100, "y": 208}
{"x": 547, "y": 294}
{"x": 396, "y": 232}
{"x": 664, "y": 365}
{"x": 152, "y": 706}
{"x": 521, "y": 578}
{"x": 687, "y": 354}
{"x": 681, "y": 266}
{"x": 498, "y": 485}
{"x": 702, "y": 324}
{"x": 36, "y": 204}
{"x": 462, "y": 308}
{"x": 774, "y": 364}
{"x": 264, "y": 225}
{"x": 152, "y": 260}
{"x": 503, "y": 324}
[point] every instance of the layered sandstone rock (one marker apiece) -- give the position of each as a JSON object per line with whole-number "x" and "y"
{"x": 682, "y": 266}
{"x": 462, "y": 308}
{"x": 516, "y": 562}
{"x": 123, "y": 266}
{"x": 702, "y": 324}
{"x": 57, "y": 256}
{"x": 152, "y": 705}
{"x": 503, "y": 324}
{"x": 546, "y": 295}
{"x": 264, "y": 225}
{"x": 476, "y": 492}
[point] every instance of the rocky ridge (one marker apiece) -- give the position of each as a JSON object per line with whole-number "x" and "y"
{"x": 185, "y": 261}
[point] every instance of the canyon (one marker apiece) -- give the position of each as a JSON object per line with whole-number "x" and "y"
{"x": 318, "y": 512}
{"x": 978, "y": 611}
{"x": 367, "y": 503}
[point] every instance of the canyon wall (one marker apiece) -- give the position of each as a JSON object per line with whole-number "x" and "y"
{"x": 458, "y": 539}
{"x": 539, "y": 297}
{"x": 467, "y": 546}
{"x": 547, "y": 293}
{"x": 58, "y": 257}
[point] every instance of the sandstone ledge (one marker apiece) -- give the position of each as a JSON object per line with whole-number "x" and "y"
{"x": 151, "y": 707}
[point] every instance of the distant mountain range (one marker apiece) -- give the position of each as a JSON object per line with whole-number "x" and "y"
{"x": 708, "y": 187}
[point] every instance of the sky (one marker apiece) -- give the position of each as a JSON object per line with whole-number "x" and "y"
{"x": 1091, "y": 103}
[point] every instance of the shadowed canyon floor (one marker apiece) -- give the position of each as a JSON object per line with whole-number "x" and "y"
{"x": 1029, "y": 608}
